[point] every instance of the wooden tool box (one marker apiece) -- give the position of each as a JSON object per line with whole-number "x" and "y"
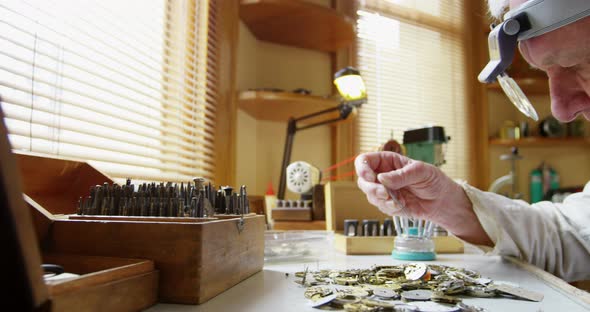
{"x": 197, "y": 258}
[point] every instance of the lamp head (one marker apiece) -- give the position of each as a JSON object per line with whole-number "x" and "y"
{"x": 351, "y": 86}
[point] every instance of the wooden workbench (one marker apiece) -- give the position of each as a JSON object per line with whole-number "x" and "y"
{"x": 272, "y": 290}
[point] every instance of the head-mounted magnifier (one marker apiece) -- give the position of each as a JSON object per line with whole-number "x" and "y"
{"x": 532, "y": 18}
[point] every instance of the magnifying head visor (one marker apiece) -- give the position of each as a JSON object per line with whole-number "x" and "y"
{"x": 531, "y": 19}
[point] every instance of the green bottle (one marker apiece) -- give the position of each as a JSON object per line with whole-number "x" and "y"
{"x": 536, "y": 185}
{"x": 554, "y": 180}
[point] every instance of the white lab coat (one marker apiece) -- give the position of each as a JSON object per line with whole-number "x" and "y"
{"x": 551, "y": 236}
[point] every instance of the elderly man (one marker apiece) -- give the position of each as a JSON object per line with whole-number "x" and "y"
{"x": 555, "y": 237}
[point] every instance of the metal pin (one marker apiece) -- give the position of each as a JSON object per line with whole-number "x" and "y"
{"x": 227, "y": 190}
{"x": 141, "y": 204}
{"x": 246, "y": 200}
{"x": 425, "y": 230}
{"x": 104, "y": 208}
{"x": 124, "y": 209}
{"x": 405, "y": 225}
{"x": 193, "y": 209}
{"x": 419, "y": 227}
{"x": 397, "y": 225}
{"x": 199, "y": 182}
{"x": 171, "y": 207}
{"x": 398, "y": 203}
{"x": 429, "y": 230}
{"x": 162, "y": 209}
{"x": 153, "y": 207}
{"x": 387, "y": 227}
{"x": 201, "y": 204}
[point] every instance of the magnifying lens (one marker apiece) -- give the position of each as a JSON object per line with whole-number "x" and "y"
{"x": 531, "y": 19}
{"x": 516, "y": 96}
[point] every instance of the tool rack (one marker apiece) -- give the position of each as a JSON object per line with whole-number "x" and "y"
{"x": 197, "y": 258}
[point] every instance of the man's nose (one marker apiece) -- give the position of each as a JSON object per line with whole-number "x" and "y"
{"x": 567, "y": 94}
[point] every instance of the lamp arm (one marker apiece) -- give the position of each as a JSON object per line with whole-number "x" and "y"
{"x": 344, "y": 108}
{"x": 320, "y": 123}
{"x": 292, "y": 128}
{"x": 327, "y": 110}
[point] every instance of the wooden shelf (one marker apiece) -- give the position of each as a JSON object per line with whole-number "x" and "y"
{"x": 297, "y": 23}
{"x": 542, "y": 142}
{"x": 528, "y": 85}
{"x": 280, "y": 106}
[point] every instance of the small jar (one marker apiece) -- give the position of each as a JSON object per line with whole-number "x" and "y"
{"x": 387, "y": 228}
{"x": 370, "y": 228}
{"x": 351, "y": 227}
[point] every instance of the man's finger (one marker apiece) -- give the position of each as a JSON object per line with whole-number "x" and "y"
{"x": 363, "y": 167}
{"x": 375, "y": 190}
{"x": 385, "y": 206}
{"x": 411, "y": 174}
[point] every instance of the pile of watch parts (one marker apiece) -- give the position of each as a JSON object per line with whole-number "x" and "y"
{"x": 407, "y": 287}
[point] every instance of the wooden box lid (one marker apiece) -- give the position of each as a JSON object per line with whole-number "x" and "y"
{"x": 130, "y": 284}
{"x": 28, "y": 291}
{"x": 57, "y": 183}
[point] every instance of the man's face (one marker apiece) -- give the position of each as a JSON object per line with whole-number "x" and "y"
{"x": 564, "y": 54}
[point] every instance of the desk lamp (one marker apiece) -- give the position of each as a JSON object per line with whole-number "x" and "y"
{"x": 353, "y": 92}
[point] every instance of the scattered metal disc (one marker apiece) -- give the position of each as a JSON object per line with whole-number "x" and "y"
{"x": 517, "y": 292}
{"x": 405, "y": 308}
{"x": 323, "y": 300}
{"x": 470, "y": 308}
{"x": 417, "y": 295}
{"x": 483, "y": 281}
{"x": 437, "y": 297}
{"x": 415, "y": 271}
{"x": 346, "y": 281}
{"x": 429, "y": 306}
{"x": 344, "y": 299}
{"x": 386, "y": 293}
{"x": 481, "y": 292}
{"x": 382, "y": 304}
{"x": 350, "y": 290}
{"x": 313, "y": 291}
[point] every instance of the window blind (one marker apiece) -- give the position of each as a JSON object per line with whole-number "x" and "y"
{"x": 411, "y": 56}
{"x": 127, "y": 85}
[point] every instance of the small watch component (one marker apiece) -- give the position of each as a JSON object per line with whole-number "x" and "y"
{"x": 417, "y": 295}
{"x": 517, "y": 292}
{"x": 429, "y": 306}
{"x": 380, "y": 288}
{"x": 415, "y": 272}
{"x": 385, "y": 293}
{"x": 323, "y": 300}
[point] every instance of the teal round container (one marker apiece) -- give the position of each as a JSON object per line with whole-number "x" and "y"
{"x": 410, "y": 247}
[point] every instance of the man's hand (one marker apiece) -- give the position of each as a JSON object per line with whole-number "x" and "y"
{"x": 424, "y": 190}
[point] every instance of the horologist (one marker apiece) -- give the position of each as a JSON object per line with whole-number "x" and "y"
{"x": 552, "y": 236}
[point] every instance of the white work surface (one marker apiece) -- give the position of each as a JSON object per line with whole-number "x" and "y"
{"x": 272, "y": 290}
